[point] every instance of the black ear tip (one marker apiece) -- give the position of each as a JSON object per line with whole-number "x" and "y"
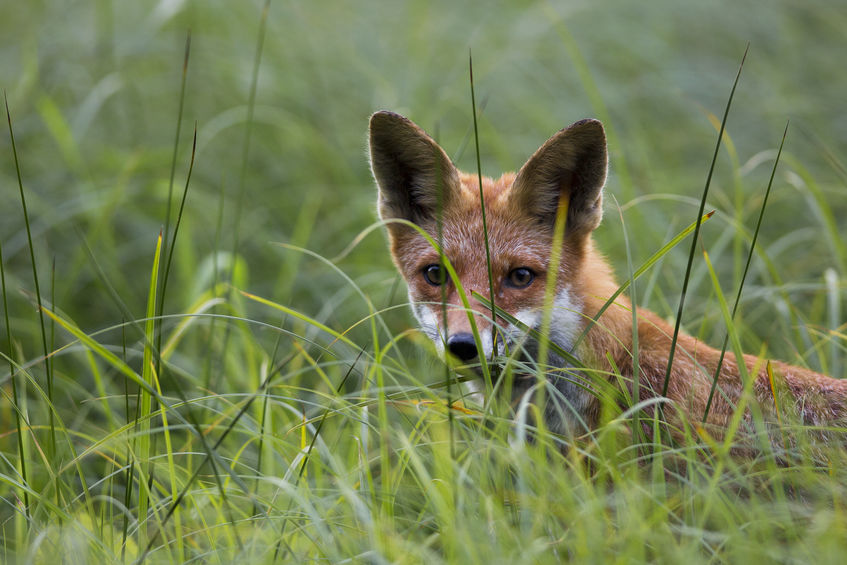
{"x": 589, "y": 125}
{"x": 386, "y": 118}
{"x": 588, "y": 122}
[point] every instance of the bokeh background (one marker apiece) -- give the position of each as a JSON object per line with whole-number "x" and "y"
{"x": 280, "y": 93}
{"x": 94, "y": 93}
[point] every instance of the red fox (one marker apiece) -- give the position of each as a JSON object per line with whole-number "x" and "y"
{"x": 418, "y": 183}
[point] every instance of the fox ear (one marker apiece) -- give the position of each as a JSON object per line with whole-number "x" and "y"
{"x": 413, "y": 173}
{"x": 570, "y": 164}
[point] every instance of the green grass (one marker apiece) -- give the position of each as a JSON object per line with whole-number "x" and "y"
{"x": 253, "y": 390}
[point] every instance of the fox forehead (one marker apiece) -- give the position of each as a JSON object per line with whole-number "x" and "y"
{"x": 515, "y": 238}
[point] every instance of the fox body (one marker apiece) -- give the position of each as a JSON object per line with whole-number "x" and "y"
{"x": 418, "y": 183}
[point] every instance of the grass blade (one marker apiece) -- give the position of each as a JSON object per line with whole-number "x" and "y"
{"x": 172, "y": 244}
{"x": 13, "y": 378}
{"x": 149, "y": 376}
{"x": 697, "y": 228}
{"x": 744, "y": 274}
{"x": 636, "y": 366}
{"x": 176, "y": 143}
{"x": 168, "y": 243}
{"x": 47, "y": 364}
{"x": 486, "y": 373}
{"x": 552, "y": 274}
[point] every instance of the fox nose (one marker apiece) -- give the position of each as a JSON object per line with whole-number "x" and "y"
{"x": 462, "y": 345}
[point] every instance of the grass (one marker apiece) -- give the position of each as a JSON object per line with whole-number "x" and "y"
{"x": 203, "y": 383}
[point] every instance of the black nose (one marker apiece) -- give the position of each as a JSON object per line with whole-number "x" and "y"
{"x": 462, "y": 345}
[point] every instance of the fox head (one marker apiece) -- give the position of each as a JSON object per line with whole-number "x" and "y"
{"x": 418, "y": 183}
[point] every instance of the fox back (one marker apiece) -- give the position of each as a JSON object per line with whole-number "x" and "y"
{"x": 498, "y": 237}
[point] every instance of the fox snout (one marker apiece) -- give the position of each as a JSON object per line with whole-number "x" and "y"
{"x": 457, "y": 337}
{"x": 463, "y": 346}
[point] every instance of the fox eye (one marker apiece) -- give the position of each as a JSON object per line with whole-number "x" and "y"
{"x": 520, "y": 277}
{"x": 435, "y": 274}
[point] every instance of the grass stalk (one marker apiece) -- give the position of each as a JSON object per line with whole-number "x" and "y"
{"x": 172, "y": 244}
{"x": 129, "y": 455}
{"x": 439, "y": 235}
{"x": 484, "y": 362}
{"x": 14, "y": 378}
{"x": 154, "y": 322}
{"x": 744, "y": 275}
{"x": 694, "y": 240}
{"x": 168, "y": 244}
{"x": 636, "y": 366}
{"x": 51, "y": 446}
{"x": 172, "y": 175}
{"x": 148, "y": 376}
{"x": 559, "y": 229}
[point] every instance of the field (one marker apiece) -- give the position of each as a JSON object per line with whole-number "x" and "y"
{"x": 206, "y": 354}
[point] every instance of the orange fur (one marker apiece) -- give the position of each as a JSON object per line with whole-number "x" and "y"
{"x": 417, "y": 182}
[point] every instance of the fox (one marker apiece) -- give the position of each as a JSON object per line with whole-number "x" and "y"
{"x": 421, "y": 190}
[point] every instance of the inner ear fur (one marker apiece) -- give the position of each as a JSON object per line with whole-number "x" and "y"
{"x": 412, "y": 172}
{"x": 570, "y": 164}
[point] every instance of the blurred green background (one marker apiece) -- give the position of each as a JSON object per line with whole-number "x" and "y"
{"x": 94, "y": 91}
{"x": 94, "y": 94}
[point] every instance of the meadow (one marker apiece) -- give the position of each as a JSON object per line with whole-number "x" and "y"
{"x": 206, "y": 354}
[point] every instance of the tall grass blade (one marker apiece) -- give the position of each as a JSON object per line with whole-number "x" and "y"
{"x": 172, "y": 245}
{"x": 772, "y": 384}
{"x": 216, "y": 273}
{"x": 14, "y": 378}
{"x": 747, "y": 377}
{"x": 744, "y": 274}
{"x": 486, "y": 373}
{"x": 51, "y": 446}
{"x": 168, "y": 244}
{"x": 687, "y": 275}
{"x": 636, "y": 366}
{"x": 228, "y": 276}
{"x": 148, "y": 376}
{"x": 176, "y": 142}
{"x": 439, "y": 227}
{"x": 559, "y": 228}
{"x": 130, "y": 471}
